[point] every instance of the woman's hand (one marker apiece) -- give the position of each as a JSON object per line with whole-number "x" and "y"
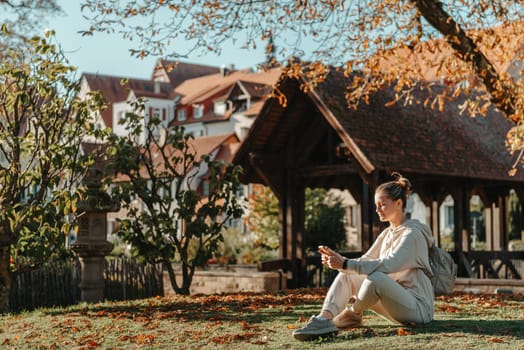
{"x": 331, "y": 258}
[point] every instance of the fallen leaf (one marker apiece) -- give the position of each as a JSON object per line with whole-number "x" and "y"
{"x": 495, "y": 340}
{"x": 92, "y": 344}
{"x": 402, "y": 332}
{"x": 145, "y": 339}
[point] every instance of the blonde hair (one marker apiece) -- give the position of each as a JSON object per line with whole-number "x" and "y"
{"x": 400, "y": 188}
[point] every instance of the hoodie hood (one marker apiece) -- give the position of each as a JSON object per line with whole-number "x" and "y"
{"x": 423, "y": 228}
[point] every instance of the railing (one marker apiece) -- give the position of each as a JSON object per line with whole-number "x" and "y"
{"x": 494, "y": 264}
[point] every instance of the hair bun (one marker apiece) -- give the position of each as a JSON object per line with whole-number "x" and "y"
{"x": 402, "y": 182}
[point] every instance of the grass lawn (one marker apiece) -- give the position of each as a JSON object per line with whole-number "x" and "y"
{"x": 259, "y": 321}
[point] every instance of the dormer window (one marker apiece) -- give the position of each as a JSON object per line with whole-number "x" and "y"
{"x": 181, "y": 115}
{"x": 220, "y": 107}
{"x": 198, "y": 111}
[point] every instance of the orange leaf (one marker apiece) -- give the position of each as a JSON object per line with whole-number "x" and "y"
{"x": 495, "y": 340}
{"x": 92, "y": 344}
{"x": 402, "y": 332}
{"x": 145, "y": 339}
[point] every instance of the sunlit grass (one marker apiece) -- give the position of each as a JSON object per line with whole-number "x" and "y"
{"x": 259, "y": 321}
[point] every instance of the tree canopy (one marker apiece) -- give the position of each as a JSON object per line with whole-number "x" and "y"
{"x": 414, "y": 44}
{"x": 42, "y": 162}
{"x": 24, "y": 19}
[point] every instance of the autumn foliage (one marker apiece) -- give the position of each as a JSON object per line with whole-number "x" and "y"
{"x": 465, "y": 46}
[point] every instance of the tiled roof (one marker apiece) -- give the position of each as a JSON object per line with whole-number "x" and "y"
{"x": 254, "y": 109}
{"x": 255, "y": 89}
{"x": 201, "y": 146}
{"x": 209, "y": 85}
{"x": 178, "y": 72}
{"x": 412, "y": 138}
{"x": 113, "y": 90}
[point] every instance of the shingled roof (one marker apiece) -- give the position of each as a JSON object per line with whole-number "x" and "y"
{"x": 114, "y": 91}
{"x": 406, "y": 138}
{"x": 177, "y": 72}
{"x": 412, "y": 138}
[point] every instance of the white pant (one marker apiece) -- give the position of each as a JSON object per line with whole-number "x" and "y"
{"x": 377, "y": 292}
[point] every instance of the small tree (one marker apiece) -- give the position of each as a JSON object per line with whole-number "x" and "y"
{"x": 325, "y": 224}
{"x": 262, "y": 219}
{"x": 324, "y": 220}
{"x": 42, "y": 126}
{"x": 172, "y": 221}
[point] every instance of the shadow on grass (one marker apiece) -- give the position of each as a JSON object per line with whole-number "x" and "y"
{"x": 485, "y": 327}
{"x": 251, "y": 310}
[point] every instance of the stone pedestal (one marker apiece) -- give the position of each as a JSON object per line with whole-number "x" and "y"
{"x": 91, "y": 245}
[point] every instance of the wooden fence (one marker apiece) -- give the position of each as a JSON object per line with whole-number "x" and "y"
{"x": 56, "y": 284}
{"x": 126, "y": 279}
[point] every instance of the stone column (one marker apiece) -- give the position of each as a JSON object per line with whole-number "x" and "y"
{"x": 91, "y": 245}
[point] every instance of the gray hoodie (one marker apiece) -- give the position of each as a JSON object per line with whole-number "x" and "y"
{"x": 402, "y": 253}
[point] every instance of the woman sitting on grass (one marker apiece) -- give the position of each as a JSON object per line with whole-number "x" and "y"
{"x": 388, "y": 279}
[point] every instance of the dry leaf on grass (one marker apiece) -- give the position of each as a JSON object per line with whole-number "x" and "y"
{"x": 403, "y": 331}
{"x": 495, "y": 340}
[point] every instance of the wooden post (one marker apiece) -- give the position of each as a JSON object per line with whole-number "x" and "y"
{"x": 504, "y": 215}
{"x": 435, "y": 221}
{"x": 367, "y": 218}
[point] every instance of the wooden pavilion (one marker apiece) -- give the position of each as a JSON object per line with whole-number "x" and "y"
{"x": 315, "y": 140}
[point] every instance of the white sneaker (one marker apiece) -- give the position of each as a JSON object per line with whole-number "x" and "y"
{"x": 316, "y": 328}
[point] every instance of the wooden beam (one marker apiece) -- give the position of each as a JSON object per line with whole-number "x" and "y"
{"x": 326, "y": 170}
{"x": 344, "y": 136}
{"x": 254, "y": 161}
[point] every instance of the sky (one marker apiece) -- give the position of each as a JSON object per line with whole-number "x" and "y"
{"x": 108, "y": 54}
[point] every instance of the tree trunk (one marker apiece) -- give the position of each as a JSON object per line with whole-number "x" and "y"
{"x": 5, "y": 278}
{"x": 186, "y": 282}
{"x": 502, "y": 91}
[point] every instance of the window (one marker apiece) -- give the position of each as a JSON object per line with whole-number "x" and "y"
{"x": 156, "y": 114}
{"x": 181, "y": 115}
{"x": 240, "y": 192}
{"x": 450, "y": 220}
{"x": 220, "y": 108}
{"x": 198, "y": 111}
{"x": 205, "y": 188}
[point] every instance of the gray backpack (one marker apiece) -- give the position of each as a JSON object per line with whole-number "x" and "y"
{"x": 443, "y": 270}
